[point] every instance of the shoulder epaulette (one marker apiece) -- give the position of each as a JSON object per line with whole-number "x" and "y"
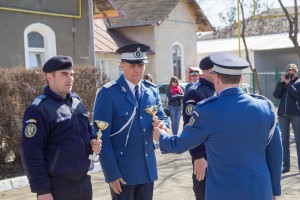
{"x": 195, "y": 86}
{"x": 38, "y": 100}
{"x": 207, "y": 100}
{"x": 150, "y": 83}
{"x": 257, "y": 96}
{"x": 109, "y": 84}
{"x": 75, "y": 95}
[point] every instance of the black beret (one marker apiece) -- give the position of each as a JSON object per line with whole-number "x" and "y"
{"x": 58, "y": 63}
{"x": 134, "y": 53}
{"x": 206, "y": 63}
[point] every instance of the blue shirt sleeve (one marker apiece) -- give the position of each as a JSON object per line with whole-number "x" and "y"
{"x": 274, "y": 161}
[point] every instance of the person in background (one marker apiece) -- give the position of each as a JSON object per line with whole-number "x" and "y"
{"x": 241, "y": 136}
{"x": 175, "y": 95}
{"x": 57, "y": 138}
{"x": 148, "y": 77}
{"x": 127, "y": 157}
{"x": 194, "y": 75}
{"x": 198, "y": 92}
{"x": 288, "y": 91}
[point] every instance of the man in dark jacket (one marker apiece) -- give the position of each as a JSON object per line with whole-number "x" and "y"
{"x": 57, "y": 138}
{"x": 288, "y": 91}
{"x": 198, "y": 92}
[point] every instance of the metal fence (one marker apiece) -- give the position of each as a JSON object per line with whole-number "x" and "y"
{"x": 268, "y": 82}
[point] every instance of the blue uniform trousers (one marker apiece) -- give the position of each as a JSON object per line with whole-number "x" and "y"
{"x": 134, "y": 192}
{"x": 72, "y": 187}
{"x": 284, "y": 124}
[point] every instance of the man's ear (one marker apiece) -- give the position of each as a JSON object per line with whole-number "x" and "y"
{"x": 48, "y": 76}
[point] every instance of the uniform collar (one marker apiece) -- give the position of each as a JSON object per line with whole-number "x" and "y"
{"x": 208, "y": 83}
{"x": 132, "y": 86}
{"x": 50, "y": 93}
{"x": 231, "y": 91}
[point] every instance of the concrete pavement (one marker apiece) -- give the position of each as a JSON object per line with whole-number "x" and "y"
{"x": 174, "y": 180}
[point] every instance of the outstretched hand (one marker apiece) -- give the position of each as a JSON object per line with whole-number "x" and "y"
{"x": 160, "y": 124}
{"x": 156, "y": 133}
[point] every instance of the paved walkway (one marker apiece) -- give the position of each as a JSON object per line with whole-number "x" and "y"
{"x": 174, "y": 182}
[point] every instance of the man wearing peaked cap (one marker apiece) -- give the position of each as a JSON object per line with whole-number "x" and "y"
{"x": 128, "y": 161}
{"x": 134, "y": 53}
{"x": 225, "y": 63}
{"x": 194, "y": 79}
{"x": 241, "y": 136}
{"x": 57, "y": 138}
{"x": 203, "y": 89}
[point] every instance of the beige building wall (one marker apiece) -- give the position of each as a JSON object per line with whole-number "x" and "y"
{"x": 179, "y": 28}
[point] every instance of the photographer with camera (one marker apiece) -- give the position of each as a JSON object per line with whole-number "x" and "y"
{"x": 288, "y": 91}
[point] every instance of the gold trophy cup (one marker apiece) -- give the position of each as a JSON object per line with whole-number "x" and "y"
{"x": 152, "y": 110}
{"x": 101, "y": 125}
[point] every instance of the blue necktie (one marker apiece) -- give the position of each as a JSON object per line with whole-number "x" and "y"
{"x": 137, "y": 94}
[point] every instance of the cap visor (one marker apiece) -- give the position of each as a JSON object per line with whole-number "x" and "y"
{"x": 136, "y": 61}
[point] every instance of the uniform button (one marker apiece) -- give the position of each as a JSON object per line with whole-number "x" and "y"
{"x": 144, "y": 130}
{"x": 146, "y": 155}
{"x": 141, "y": 117}
{"x": 126, "y": 113}
{"x": 146, "y": 142}
{"x": 121, "y": 153}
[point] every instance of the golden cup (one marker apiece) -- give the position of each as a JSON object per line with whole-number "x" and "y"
{"x": 101, "y": 125}
{"x": 152, "y": 110}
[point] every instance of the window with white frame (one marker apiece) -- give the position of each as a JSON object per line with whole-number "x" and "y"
{"x": 39, "y": 43}
{"x": 177, "y": 56}
{"x": 101, "y": 64}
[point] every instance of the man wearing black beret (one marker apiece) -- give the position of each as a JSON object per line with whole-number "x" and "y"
{"x": 198, "y": 92}
{"x": 57, "y": 138}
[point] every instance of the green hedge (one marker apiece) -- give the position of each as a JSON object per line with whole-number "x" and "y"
{"x": 18, "y": 87}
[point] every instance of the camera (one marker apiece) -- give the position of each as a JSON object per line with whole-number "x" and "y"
{"x": 288, "y": 76}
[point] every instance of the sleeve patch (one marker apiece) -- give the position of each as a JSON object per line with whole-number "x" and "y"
{"x": 189, "y": 109}
{"x": 30, "y": 130}
{"x": 191, "y": 122}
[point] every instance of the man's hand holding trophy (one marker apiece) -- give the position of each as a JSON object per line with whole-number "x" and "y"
{"x": 152, "y": 110}
{"x": 96, "y": 143}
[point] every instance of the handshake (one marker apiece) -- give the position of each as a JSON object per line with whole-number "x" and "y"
{"x": 158, "y": 128}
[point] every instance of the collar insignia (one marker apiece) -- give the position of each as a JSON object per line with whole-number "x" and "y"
{"x": 123, "y": 89}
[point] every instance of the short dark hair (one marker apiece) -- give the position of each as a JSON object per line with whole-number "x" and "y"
{"x": 229, "y": 79}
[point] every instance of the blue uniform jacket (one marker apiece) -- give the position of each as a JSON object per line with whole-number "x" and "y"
{"x": 55, "y": 139}
{"x": 244, "y": 157}
{"x": 129, "y": 153}
{"x": 198, "y": 92}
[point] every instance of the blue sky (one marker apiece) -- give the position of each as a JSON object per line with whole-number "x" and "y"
{"x": 211, "y": 8}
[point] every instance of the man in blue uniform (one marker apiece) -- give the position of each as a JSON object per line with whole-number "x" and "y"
{"x": 198, "y": 92}
{"x": 127, "y": 156}
{"x": 241, "y": 137}
{"x": 194, "y": 76}
{"x": 57, "y": 138}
